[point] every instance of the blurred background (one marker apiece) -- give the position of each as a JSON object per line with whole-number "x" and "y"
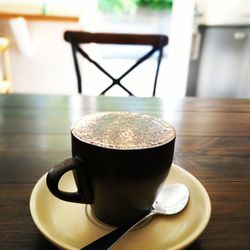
{"x": 207, "y": 55}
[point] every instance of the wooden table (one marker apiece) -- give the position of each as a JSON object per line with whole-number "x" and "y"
{"x": 213, "y": 143}
{"x": 40, "y": 17}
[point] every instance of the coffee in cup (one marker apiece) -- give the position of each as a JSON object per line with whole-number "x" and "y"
{"x": 120, "y": 161}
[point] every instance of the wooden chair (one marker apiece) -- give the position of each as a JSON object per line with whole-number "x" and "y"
{"x": 76, "y": 38}
{"x": 5, "y": 80}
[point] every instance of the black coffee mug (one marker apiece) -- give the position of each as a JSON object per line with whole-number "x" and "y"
{"x": 119, "y": 183}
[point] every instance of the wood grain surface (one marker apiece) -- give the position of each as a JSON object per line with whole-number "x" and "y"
{"x": 213, "y": 143}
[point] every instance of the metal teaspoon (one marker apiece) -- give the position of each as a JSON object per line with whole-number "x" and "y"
{"x": 171, "y": 200}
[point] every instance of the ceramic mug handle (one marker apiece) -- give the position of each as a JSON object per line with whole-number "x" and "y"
{"x": 54, "y": 175}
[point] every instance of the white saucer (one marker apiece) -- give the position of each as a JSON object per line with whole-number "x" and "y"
{"x": 71, "y": 225}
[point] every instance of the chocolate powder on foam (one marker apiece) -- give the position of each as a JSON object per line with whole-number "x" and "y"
{"x": 123, "y": 130}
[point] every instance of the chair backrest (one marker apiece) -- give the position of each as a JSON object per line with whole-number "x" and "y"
{"x": 76, "y": 38}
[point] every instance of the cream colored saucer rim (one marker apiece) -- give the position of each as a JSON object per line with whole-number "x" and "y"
{"x": 197, "y": 210}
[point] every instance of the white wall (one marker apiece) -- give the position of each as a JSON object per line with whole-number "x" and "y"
{"x": 219, "y": 12}
{"x": 179, "y": 49}
{"x": 44, "y": 65}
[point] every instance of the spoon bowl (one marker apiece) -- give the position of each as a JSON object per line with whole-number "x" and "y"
{"x": 171, "y": 200}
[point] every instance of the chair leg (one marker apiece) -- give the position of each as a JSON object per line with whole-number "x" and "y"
{"x": 78, "y": 74}
{"x": 5, "y": 84}
{"x": 157, "y": 70}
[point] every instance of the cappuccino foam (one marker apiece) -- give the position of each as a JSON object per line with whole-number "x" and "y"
{"x": 123, "y": 130}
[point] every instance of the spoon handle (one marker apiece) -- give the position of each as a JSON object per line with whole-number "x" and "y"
{"x": 110, "y": 239}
